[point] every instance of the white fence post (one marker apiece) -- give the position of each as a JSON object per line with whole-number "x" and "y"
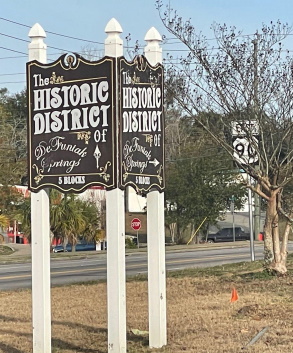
{"x": 156, "y": 234}
{"x": 115, "y": 227}
{"x": 40, "y": 234}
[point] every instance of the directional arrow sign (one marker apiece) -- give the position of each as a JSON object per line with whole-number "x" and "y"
{"x": 155, "y": 162}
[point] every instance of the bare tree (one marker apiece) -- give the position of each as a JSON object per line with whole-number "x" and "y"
{"x": 12, "y": 137}
{"x": 247, "y": 80}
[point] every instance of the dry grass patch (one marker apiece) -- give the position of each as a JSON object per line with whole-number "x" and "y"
{"x": 201, "y": 317}
{"x": 5, "y": 250}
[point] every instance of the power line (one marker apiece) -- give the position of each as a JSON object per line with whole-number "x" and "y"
{"x": 27, "y": 41}
{"x": 17, "y": 73}
{"x": 14, "y": 51}
{"x": 24, "y": 56}
{"x": 54, "y": 33}
{"x": 10, "y": 82}
{"x": 96, "y": 42}
{"x": 9, "y": 36}
{"x": 12, "y": 57}
{"x": 66, "y": 50}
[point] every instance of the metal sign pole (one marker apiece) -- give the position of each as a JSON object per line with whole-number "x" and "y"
{"x": 252, "y": 255}
{"x": 40, "y": 234}
{"x": 137, "y": 239}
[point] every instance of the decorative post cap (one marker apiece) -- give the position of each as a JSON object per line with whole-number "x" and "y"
{"x": 113, "y": 26}
{"x": 153, "y": 35}
{"x": 113, "y": 42}
{"x": 37, "y": 31}
{"x": 153, "y": 51}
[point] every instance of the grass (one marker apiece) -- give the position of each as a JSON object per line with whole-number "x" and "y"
{"x": 5, "y": 250}
{"x": 200, "y": 316}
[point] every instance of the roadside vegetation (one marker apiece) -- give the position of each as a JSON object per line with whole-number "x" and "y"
{"x": 237, "y": 89}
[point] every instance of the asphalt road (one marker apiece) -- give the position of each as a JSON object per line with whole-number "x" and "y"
{"x": 94, "y": 266}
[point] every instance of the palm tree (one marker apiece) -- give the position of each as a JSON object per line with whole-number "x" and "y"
{"x": 67, "y": 220}
{"x": 70, "y": 218}
{"x": 23, "y": 215}
{"x": 90, "y": 212}
{"x": 4, "y": 221}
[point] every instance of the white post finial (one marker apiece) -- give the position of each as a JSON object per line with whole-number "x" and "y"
{"x": 153, "y": 51}
{"x": 37, "y": 49}
{"x": 113, "y": 43}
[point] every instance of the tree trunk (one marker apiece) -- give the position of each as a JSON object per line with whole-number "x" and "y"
{"x": 179, "y": 234}
{"x": 172, "y": 227}
{"x": 268, "y": 236}
{"x": 274, "y": 258}
{"x": 279, "y": 267}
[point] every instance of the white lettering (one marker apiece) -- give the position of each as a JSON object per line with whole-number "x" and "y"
{"x": 74, "y": 179}
{"x": 74, "y": 119}
{"x": 85, "y": 94}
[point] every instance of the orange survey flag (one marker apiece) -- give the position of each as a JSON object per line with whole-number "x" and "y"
{"x": 234, "y": 295}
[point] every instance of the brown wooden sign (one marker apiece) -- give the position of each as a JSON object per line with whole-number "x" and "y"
{"x": 141, "y": 145}
{"x": 71, "y": 125}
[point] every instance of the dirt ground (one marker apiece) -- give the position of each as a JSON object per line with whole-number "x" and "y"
{"x": 200, "y": 316}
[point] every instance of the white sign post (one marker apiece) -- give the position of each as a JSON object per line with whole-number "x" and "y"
{"x": 40, "y": 235}
{"x": 156, "y": 234}
{"x": 115, "y": 228}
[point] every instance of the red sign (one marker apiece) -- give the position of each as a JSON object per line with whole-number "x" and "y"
{"x": 136, "y": 224}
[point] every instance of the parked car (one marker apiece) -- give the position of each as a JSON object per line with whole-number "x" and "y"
{"x": 85, "y": 247}
{"x": 226, "y": 234}
{"x": 78, "y": 247}
{"x": 60, "y": 248}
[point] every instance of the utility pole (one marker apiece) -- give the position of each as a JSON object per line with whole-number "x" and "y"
{"x": 252, "y": 254}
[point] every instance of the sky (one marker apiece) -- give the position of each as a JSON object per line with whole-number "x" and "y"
{"x": 87, "y": 20}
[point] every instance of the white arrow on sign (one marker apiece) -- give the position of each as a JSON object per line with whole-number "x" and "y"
{"x": 155, "y": 162}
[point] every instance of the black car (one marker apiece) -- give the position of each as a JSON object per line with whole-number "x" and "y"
{"x": 226, "y": 234}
